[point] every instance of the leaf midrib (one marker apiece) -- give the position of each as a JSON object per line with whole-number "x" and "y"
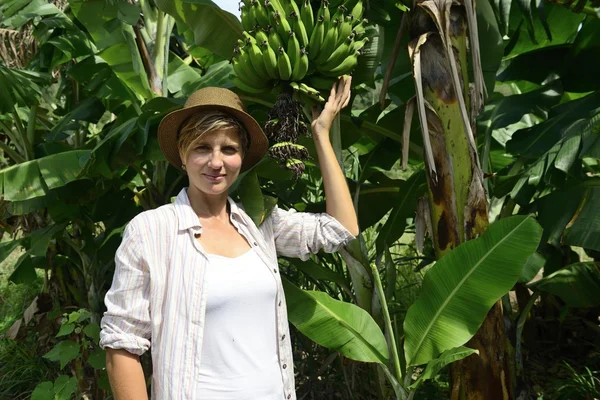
{"x": 453, "y": 292}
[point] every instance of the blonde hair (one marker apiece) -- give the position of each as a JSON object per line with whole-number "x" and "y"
{"x": 197, "y": 125}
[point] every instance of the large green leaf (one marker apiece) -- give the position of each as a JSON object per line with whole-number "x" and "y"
{"x": 116, "y": 42}
{"x": 461, "y": 287}
{"x": 336, "y": 325}
{"x": 537, "y": 140}
{"x": 577, "y": 284}
{"x": 34, "y": 178}
{"x": 214, "y": 28}
{"x": 563, "y": 25}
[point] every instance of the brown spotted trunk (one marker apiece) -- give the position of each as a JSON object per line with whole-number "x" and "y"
{"x": 448, "y": 105}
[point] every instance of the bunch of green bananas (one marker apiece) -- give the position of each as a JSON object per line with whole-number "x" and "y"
{"x": 290, "y": 44}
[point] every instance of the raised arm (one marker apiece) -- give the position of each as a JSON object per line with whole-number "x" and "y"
{"x": 337, "y": 196}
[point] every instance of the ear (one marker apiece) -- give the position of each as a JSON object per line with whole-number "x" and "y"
{"x": 181, "y": 156}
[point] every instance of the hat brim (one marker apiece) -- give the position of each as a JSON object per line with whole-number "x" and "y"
{"x": 171, "y": 123}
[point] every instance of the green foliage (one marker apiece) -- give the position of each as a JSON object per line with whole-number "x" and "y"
{"x": 463, "y": 285}
{"x": 80, "y": 157}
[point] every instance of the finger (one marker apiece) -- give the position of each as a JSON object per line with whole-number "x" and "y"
{"x": 332, "y": 94}
{"x": 347, "y": 92}
{"x": 340, "y": 89}
{"x": 346, "y": 102}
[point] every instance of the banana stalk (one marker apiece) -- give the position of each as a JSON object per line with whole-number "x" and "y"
{"x": 447, "y": 108}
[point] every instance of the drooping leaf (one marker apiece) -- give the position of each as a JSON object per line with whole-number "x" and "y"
{"x": 214, "y": 28}
{"x": 43, "y": 391}
{"x": 97, "y": 359}
{"x": 584, "y": 229}
{"x": 64, "y": 387}
{"x": 252, "y": 197}
{"x": 435, "y": 366}
{"x": 92, "y": 331}
{"x": 578, "y": 284}
{"x": 116, "y": 42}
{"x": 339, "y": 326}
{"x": 533, "y": 265}
{"x": 317, "y": 271}
{"x": 33, "y": 178}
{"x": 64, "y": 351}
{"x": 461, "y": 287}
{"x": 405, "y": 206}
{"x": 65, "y": 329}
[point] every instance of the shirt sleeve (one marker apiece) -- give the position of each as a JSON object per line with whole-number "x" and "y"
{"x": 300, "y": 234}
{"x": 126, "y": 323}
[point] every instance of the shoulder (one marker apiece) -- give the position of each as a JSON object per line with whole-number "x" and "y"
{"x": 158, "y": 219}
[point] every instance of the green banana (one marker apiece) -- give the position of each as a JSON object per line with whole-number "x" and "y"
{"x": 257, "y": 61}
{"x": 344, "y": 30}
{"x": 328, "y": 43}
{"x": 241, "y": 74}
{"x": 301, "y": 68}
{"x": 357, "y": 10}
{"x": 308, "y": 19}
{"x": 249, "y": 71}
{"x": 247, "y": 88}
{"x": 260, "y": 14}
{"x": 337, "y": 57}
{"x": 358, "y": 45}
{"x": 274, "y": 39}
{"x": 344, "y": 67}
{"x": 246, "y": 18}
{"x": 284, "y": 65}
{"x": 270, "y": 60}
{"x": 311, "y": 92}
{"x": 283, "y": 26}
{"x": 316, "y": 39}
{"x": 293, "y": 50}
{"x": 360, "y": 27}
{"x": 261, "y": 37}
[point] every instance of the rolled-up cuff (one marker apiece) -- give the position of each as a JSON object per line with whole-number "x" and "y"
{"x": 131, "y": 343}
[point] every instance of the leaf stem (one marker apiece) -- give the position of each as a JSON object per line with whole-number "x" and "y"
{"x": 16, "y": 157}
{"x": 388, "y": 321}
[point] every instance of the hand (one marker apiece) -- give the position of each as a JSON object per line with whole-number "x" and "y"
{"x": 339, "y": 97}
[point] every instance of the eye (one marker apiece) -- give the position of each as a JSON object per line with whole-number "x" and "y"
{"x": 202, "y": 147}
{"x": 230, "y": 150}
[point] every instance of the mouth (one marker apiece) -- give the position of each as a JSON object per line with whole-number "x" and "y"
{"x": 214, "y": 178}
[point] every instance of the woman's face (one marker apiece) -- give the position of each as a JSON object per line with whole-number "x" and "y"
{"x": 214, "y": 162}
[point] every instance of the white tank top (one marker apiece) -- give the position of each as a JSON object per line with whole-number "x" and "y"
{"x": 239, "y": 350}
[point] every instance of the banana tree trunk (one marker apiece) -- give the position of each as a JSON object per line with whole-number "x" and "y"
{"x": 447, "y": 105}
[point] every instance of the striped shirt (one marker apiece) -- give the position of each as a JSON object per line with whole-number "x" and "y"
{"x": 157, "y": 294}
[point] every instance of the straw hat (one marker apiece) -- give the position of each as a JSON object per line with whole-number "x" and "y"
{"x": 213, "y": 99}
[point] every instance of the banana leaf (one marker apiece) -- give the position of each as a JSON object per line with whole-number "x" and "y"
{"x": 214, "y": 28}
{"x": 461, "y": 287}
{"x": 34, "y": 178}
{"x": 578, "y": 284}
{"x": 339, "y": 326}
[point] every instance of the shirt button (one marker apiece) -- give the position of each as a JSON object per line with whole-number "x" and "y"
{"x": 289, "y": 396}
{"x": 274, "y": 270}
{"x": 254, "y": 243}
{"x": 284, "y": 366}
{"x": 279, "y": 303}
{"x": 283, "y": 337}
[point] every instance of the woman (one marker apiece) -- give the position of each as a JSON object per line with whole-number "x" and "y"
{"x": 200, "y": 280}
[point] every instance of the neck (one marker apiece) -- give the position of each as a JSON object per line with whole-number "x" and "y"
{"x": 207, "y": 206}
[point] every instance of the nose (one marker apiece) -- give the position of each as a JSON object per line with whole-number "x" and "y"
{"x": 216, "y": 160}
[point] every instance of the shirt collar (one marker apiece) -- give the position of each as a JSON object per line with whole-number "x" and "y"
{"x": 186, "y": 216}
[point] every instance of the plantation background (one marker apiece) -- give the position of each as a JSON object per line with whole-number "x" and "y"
{"x": 84, "y": 84}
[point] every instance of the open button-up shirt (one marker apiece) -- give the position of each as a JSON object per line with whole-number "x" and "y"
{"x": 157, "y": 294}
